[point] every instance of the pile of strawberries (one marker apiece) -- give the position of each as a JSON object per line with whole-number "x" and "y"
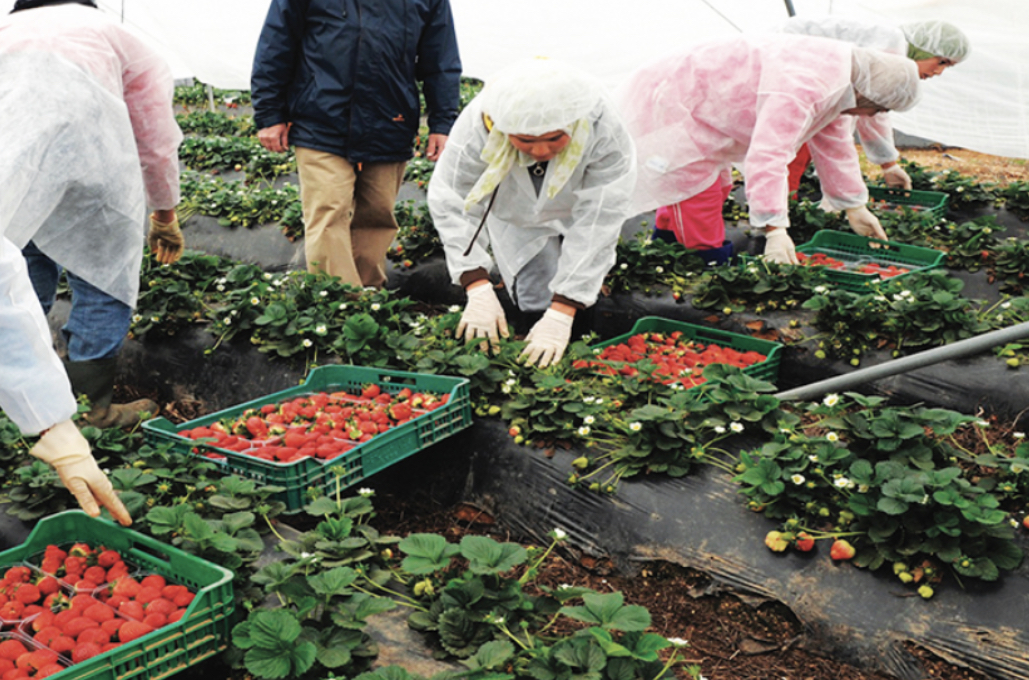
{"x": 884, "y": 272}
{"x": 321, "y": 425}
{"x": 678, "y": 360}
{"x": 820, "y": 260}
{"x": 76, "y": 604}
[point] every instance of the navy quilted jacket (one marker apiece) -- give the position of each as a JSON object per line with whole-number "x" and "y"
{"x": 345, "y": 73}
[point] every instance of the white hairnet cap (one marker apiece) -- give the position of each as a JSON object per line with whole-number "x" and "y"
{"x": 888, "y": 80}
{"x": 938, "y": 38}
{"x": 536, "y": 96}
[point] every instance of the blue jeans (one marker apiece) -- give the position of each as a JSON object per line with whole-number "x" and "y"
{"x": 98, "y": 323}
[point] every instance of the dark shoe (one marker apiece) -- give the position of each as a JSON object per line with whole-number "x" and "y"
{"x": 95, "y": 379}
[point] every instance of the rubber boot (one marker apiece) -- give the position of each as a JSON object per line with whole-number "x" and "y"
{"x": 95, "y": 379}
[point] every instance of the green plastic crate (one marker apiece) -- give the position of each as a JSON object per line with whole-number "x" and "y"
{"x": 856, "y": 251}
{"x": 358, "y": 463}
{"x": 932, "y": 202}
{"x": 765, "y": 370}
{"x": 200, "y": 634}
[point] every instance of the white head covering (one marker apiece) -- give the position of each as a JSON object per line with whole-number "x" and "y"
{"x": 531, "y": 98}
{"x": 888, "y": 80}
{"x": 937, "y": 39}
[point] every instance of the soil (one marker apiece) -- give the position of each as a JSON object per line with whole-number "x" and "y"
{"x": 730, "y": 637}
{"x": 983, "y": 167}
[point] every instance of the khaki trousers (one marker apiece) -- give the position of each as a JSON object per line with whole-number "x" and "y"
{"x": 348, "y": 215}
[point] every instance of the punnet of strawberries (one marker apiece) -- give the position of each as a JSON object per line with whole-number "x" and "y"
{"x": 820, "y": 260}
{"x": 76, "y": 603}
{"x": 322, "y": 425}
{"x": 679, "y": 359}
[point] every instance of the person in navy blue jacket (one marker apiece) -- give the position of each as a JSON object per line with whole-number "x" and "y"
{"x": 338, "y": 80}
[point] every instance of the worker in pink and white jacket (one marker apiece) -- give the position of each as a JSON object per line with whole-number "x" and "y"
{"x": 754, "y": 101}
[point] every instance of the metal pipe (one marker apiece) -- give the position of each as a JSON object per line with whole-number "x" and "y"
{"x": 789, "y": 8}
{"x": 955, "y": 350}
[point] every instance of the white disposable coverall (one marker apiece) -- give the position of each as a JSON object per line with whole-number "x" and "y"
{"x": 750, "y": 100}
{"x": 92, "y": 141}
{"x": 588, "y": 211}
{"x": 875, "y": 132}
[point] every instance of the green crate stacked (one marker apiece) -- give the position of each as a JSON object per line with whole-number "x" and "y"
{"x": 355, "y": 465}
{"x": 201, "y": 633}
{"x": 764, "y": 370}
{"x": 857, "y": 251}
{"x": 932, "y": 202}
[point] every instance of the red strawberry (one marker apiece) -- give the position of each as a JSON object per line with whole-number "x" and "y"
{"x": 108, "y": 558}
{"x": 370, "y": 391}
{"x": 99, "y": 613}
{"x": 160, "y": 606}
{"x": 85, "y": 651}
{"x": 176, "y": 615}
{"x": 6, "y": 665}
{"x": 133, "y": 630}
{"x": 147, "y": 594}
{"x": 62, "y": 618}
{"x": 80, "y": 623}
{"x": 37, "y": 659}
{"x": 48, "y": 670}
{"x": 11, "y": 649}
{"x": 12, "y": 611}
{"x": 17, "y": 574}
{"x": 28, "y": 593}
{"x": 841, "y": 550}
{"x": 48, "y": 585}
{"x": 46, "y": 635}
{"x": 804, "y": 542}
{"x": 82, "y": 602}
{"x": 62, "y": 644}
{"x": 95, "y": 574}
{"x": 132, "y": 609}
{"x": 81, "y": 550}
{"x": 111, "y": 627}
{"x": 155, "y": 620}
{"x": 97, "y": 636}
{"x": 45, "y": 618}
{"x": 126, "y": 586}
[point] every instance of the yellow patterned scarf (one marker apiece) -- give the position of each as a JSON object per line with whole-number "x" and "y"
{"x": 500, "y": 156}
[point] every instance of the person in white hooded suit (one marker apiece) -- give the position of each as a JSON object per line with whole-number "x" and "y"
{"x": 95, "y": 141}
{"x": 543, "y": 153}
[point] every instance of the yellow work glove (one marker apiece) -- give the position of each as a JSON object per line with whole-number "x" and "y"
{"x": 64, "y": 448}
{"x": 165, "y": 240}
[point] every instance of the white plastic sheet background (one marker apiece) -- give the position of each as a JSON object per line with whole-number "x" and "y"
{"x": 983, "y": 104}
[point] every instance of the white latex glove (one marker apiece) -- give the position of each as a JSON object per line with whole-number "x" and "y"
{"x": 548, "y": 339}
{"x": 779, "y": 246}
{"x": 483, "y": 317}
{"x": 864, "y": 223}
{"x": 896, "y": 178}
{"x": 64, "y": 447}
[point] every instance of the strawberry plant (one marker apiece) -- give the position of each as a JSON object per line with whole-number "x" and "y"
{"x": 757, "y": 284}
{"x": 216, "y": 123}
{"x": 924, "y": 310}
{"x": 417, "y": 238}
{"x": 884, "y": 479}
{"x": 238, "y": 204}
{"x": 644, "y": 265}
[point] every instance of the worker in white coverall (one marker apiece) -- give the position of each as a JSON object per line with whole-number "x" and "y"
{"x": 95, "y": 140}
{"x": 543, "y": 150}
{"x": 754, "y": 101}
{"x": 934, "y": 45}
